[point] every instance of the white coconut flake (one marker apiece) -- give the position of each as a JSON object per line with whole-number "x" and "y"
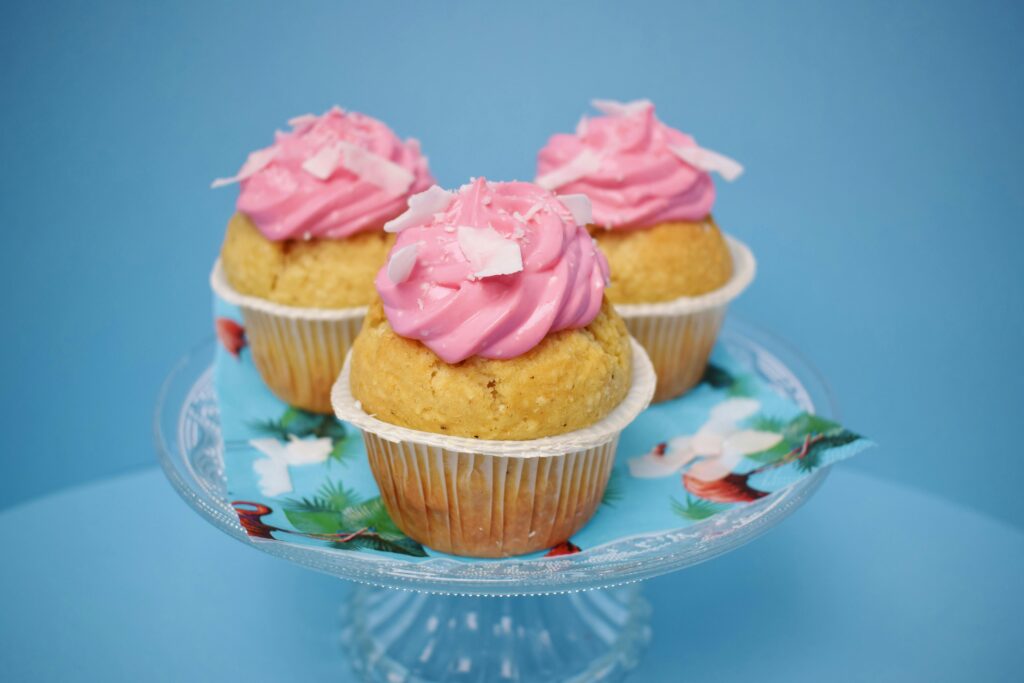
{"x": 375, "y": 169}
{"x": 255, "y": 162}
{"x": 582, "y": 126}
{"x": 401, "y": 263}
{"x": 586, "y": 162}
{"x": 302, "y": 120}
{"x": 709, "y": 161}
{"x": 422, "y": 206}
{"x": 532, "y": 211}
{"x": 488, "y": 252}
{"x": 580, "y": 207}
{"x": 324, "y": 163}
{"x": 616, "y": 108}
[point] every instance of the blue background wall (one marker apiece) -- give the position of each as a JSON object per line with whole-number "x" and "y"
{"x": 883, "y": 193}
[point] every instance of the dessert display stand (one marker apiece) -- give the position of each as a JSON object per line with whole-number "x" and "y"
{"x": 575, "y": 617}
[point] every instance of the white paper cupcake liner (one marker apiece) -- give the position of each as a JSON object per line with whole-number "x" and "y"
{"x": 490, "y": 498}
{"x": 679, "y": 335}
{"x": 297, "y": 351}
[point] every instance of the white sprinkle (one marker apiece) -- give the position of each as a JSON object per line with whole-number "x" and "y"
{"x": 307, "y": 236}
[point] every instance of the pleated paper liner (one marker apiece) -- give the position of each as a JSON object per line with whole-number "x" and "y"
{"x": 297, "y": 351}
{"x": 679, "y": 335}
{"x": 488, "y": 498}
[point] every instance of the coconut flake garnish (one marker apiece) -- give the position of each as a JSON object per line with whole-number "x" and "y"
{"x": 255, "y": 162}
{"x": 616, "y": 108}
{"x": 374, "y": 168}
{"x": 586, "y": 162}
{"x": 580, "y": 207}
{"x": 709, "y": 161}
{"x": 401, "y": 263}
{"x": 532, "y": 211}
{"x": 422, "y": 207}
{"x": 488, "y": 252}
{"x": 324, "y": 163}
{"x": 370, "y": 167}
{"x": 302, "y": 120}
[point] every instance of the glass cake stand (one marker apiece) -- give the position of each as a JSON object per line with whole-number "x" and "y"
{"x": 570, "y": 618}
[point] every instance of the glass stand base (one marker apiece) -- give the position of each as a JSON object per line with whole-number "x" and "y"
{"x": 394, "y": 636}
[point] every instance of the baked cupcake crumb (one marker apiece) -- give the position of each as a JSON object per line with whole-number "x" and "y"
{"x": 665, "y": 261}
{"x": 569, "y": 381}
{"x": 315, "y": 273}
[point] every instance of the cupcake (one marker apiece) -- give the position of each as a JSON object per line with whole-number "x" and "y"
{"x": 492, "y": 378}
{"x": 306, "y": 241}
{"x": 673, "y": 271}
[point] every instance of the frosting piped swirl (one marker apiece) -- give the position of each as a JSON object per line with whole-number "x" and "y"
{"x": 330, "y": 176}
{"x": 636, "y": 171}
{"x": 491, "y": 270}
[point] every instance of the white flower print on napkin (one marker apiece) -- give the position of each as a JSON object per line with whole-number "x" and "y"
{"x": 718, "y": 446}
{"x": 273, "y": 470}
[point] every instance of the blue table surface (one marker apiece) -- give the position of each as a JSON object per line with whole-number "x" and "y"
{"x": 871, "y": 580}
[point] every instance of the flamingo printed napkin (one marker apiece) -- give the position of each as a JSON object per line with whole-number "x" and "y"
{"x": 746, "y": 431}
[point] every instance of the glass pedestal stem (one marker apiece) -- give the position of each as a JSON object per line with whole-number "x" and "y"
{"x": 394, "y": 636}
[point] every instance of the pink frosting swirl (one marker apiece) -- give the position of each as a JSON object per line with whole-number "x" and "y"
{"x": 491, "y": 269}
{"x": 331, "y": 176}
{"x": 625, "y": 164}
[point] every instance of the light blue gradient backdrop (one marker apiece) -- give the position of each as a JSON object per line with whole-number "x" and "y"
{"x": 883, "y": 194}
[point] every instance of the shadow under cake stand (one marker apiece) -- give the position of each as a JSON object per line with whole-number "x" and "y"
{"x": 577, "y": 617}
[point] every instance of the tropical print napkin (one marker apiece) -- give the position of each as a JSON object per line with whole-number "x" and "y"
{"x": 745, "y": 432}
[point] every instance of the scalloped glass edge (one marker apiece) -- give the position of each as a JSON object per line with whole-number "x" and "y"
{"x": 186, "y": 414}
